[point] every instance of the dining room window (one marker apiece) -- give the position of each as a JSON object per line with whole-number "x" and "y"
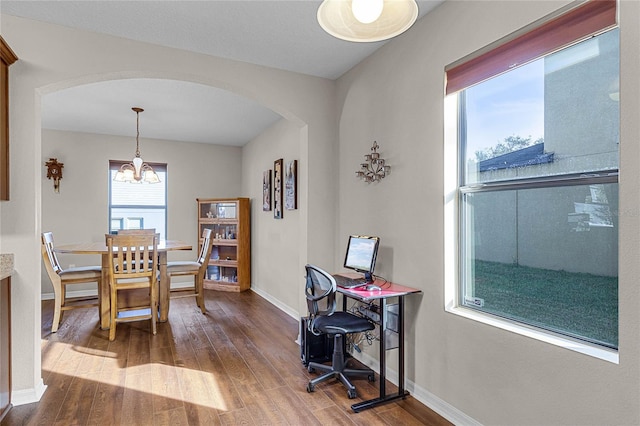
{"x": 138, "y": 205}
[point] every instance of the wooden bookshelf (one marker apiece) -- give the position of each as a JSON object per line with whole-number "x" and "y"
{"x": 230, "y": 262}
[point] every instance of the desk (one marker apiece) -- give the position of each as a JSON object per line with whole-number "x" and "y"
{"x": 389, "y": 290}
{"x": 103, "y": 292}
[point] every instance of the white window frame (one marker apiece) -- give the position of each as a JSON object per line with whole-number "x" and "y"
{"x": 452, "y": 249}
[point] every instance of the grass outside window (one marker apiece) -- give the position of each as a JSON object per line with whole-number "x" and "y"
{"x": 576, "y": 304}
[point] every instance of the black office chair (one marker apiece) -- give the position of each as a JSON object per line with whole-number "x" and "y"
{"x": 323, "y": 318}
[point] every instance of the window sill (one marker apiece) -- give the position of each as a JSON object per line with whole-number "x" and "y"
{"x": 608, "y": 355}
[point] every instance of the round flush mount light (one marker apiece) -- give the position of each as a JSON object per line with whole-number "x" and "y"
{"x": 367, "y": 11}
{"x": 367, "y": 20}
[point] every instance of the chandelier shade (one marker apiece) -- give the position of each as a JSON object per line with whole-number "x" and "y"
{"x": 137, "y": 171}
{"x": 367, "y": 21}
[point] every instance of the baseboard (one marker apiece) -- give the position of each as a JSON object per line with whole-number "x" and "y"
{"x": 28, "y": 396}
{"x": 284, "y": 308}
{"x": 441, "y": 407}
{"x": 94, "y": 292}
{"x": 72, "y": 294}
{"x": 178, "y": 285}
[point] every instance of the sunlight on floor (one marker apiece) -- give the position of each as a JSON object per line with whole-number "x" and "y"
{"x": 203, "y": 388}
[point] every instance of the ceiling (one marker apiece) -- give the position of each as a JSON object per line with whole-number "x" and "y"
{"x": 281, "y": 34}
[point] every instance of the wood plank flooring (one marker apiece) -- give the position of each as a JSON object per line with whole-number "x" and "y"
{"x": 238, "y": 364}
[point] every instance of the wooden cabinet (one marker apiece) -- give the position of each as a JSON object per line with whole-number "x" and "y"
{"x": 5, "y": 346}
{"x": 230, "y": 262}
{"x": 7, "y": 57}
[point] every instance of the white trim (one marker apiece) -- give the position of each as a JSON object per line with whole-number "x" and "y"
{"x": 28, "y": 396}
{"x": 94, "y": 293}
{"x": 451, "y": 243}
{"x": 293, "y": 313}
{"x": 441, "y": 407}
{"x": 181, "y": 284}
{"x": 72, "y": 294}
{"x": 604, "y": 354}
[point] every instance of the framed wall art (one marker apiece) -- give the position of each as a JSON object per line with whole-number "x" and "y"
{"x": 291, "y": 185}
{"x": 266, "y": 190}
{"x": 277, "y": 188}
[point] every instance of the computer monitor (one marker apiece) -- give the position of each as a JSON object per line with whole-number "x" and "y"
{"x": 361, "y": 255}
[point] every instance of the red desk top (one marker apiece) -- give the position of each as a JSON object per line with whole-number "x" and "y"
{"x": 387, "y": 289}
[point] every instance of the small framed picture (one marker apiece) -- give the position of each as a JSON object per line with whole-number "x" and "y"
{"x": 291, "y": 185}
{"x": 266, "y": 191}
{"x": 277, "y": 188}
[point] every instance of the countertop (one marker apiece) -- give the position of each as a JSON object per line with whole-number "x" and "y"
{"x": 6, "y": 265}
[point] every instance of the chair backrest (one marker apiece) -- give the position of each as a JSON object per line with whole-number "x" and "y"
{"x": 205, "y": 250}
{"x": 130, "y": 255}
{"x": 48, "y": 255}
{"x": 136, "y": 231}
{"x": 320, "y": 290}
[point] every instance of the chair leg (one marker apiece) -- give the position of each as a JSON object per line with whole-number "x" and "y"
{"x": 63, "y": 300}
{"x": 200, "y": 294}
{"x": 338, "y": 369}
{"x": 154, "y": 306}
{"x": 114, "y": 312}
{"x": 57, "y": 307}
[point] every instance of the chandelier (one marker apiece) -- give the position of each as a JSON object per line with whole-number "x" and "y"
{"x": 374, "y": 169}
{"x": 137, "y": 171}
{"x": 367, "y": 20}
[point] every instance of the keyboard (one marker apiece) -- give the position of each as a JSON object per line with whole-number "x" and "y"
{"x": 346, "y": 282}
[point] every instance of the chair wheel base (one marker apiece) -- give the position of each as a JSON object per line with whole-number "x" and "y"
{"x": 371, "y": 378}
{"x": 310, "y": 388}
{"x": 351, "y": 393}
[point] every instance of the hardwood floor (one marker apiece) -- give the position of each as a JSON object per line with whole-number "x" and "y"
{"x": 238, "y": 364}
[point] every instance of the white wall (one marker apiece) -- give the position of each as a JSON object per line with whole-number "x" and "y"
{"x": 79, "y": 212}
{"x": 396, "y": 97}
{"x": 275, "y": 243}
{"x": 53, "y": 58}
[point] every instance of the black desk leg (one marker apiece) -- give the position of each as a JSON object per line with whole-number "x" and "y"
{"x": 383, "y": 348}
{"x": 384, "y": 398}
{"x": 401, "y": 391}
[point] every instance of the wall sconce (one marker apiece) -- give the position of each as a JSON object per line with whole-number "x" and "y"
{"x": 374, "y": 169}
{"x": 54, "y": 171}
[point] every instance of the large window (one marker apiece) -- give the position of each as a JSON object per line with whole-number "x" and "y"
{"x": 537, "y": 183}
{"x": 138, "y": 205}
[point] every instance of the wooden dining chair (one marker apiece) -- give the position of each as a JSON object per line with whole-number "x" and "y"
{"x": 61, "y": 278}
{"x": 197, "y": 269}
{"x": 130, "y": 270}
{"x": 148, "y": 231}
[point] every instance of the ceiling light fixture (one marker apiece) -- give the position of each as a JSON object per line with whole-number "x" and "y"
{"x": 367, "y": 20}
{"x": 137, "y": 171}
{"x": 367, "y": 11}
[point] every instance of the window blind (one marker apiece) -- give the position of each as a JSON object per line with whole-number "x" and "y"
{"x": 583, "y": 21}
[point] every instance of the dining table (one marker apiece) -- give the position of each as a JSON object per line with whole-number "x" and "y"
{"x": 164, "y": 246}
